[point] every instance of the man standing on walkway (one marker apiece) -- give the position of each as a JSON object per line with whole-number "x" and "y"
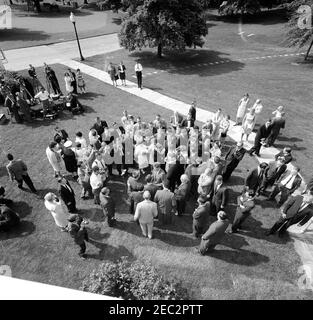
{"x": 17, "y": 170}
{"x": 138, "y": 70}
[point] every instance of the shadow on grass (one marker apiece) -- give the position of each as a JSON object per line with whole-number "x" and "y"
{"x": 189, "y": 62}
{"x": 21, "y": 34}
{"x": 90, "y": 95}
{"x": 24, "y": 229}
{"x": 22, "y": 207}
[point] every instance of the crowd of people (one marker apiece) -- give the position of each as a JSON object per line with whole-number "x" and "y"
{"x": 167, "y": 165}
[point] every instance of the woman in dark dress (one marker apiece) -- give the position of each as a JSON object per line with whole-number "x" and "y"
{"x": 69, "y": 158}
{"x": 122, "y": 73}
{"x": 52, "y": 81}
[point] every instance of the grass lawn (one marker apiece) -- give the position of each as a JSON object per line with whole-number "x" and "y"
{"x": 276, "y": 80}
{"x": 245, "y": 266}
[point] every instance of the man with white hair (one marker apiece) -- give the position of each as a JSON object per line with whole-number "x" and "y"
{"x": 182, "y": 194}
{"x": 146, "y": 211}
{"x": 297, "y": 209}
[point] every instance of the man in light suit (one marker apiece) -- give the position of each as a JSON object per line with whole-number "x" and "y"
{"x": 17, "y": 170}
{"x": 245, "y": 206}
{"x": 166, "y": 203}
{"x": 297, "y": 209}
{"x": 146, "y": 211}
{"x": 182, "y": 194}
{"x": 288, "y": 183}
{"x": 214, "y": 234}
{"x": 219, "y": 196}
{"x": 67, "y": 194}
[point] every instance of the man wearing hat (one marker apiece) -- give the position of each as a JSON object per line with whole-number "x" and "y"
{"x": 3, "y": 200}
{"x": 78, "y": 233}
{"x": 69, "y": 158}
{"x": 67, "y": 194}
{"x": 233, "y": 158}
{"x": 244, "y": 208}
{"x": 108, "y": 206}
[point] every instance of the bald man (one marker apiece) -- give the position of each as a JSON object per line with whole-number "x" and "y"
{"x": 146, "y": 211}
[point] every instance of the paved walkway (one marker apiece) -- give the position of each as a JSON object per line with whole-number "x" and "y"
{"x": 64, "y": 53}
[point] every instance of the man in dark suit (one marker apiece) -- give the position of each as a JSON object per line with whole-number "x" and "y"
{"x": 277, "y": 125}
{"x": 193, "y": 109}
{"x": 108, "y": 206}
{"x": 273, "y": 173}
{"x": 135, "y": 197}
{"x": 214, "y": 234}
{"x": 17, "y": 170}
{"x": 99, "y": 126}
{"x": 288, "y": 183}
{"x": 182, "y": 194}
{"x": 219, "y": 196}
{"x": 232, "y": 158}
{"x": 176, "y": 119}
{"x": 297, "y": 209}
{"x": 150, "y": 186}
{"x": 261, "y": 135}
{"x": 200, "y": 217}
{"x": 67, "y": 194}
{"x": 174, "y": 173}
{"x": 244, "y": 208}
{"x": 255, "y": 178}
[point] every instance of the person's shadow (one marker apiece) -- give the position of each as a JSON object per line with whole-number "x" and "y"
{"x": 22, "y": 208}
{"x": 23, "y": 229}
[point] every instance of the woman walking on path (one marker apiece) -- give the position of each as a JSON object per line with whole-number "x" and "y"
{"x": 242, "y": 108}
{"x": 122, "y": 73}
{"x": 113, "y": 74}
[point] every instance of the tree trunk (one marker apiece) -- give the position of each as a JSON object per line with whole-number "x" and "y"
{"x": 37, "y": 5}
{"x": 160, "y": 50}
{"x": 308, "y": 52}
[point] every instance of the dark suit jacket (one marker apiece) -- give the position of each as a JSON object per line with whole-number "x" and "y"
{"x": 108, "y": 205}
{"x": 272, "y": 174}
{"x": 67, "y": 195}
{"x": 215, "y": 232}
{"x": 201, "y": 214}
{"x": 288, "y": 158}
{"x": 152, "y": 188}
{"x": 185, "y": 123}
{"x": 291, "y": 209}
{"x": 182, "y": 193}
{"x": 175, "y": 171}
{"x": 253, "y": 181}
{"x": 220, "y": 198}
{"x": 8, "y": 218}
{"x": 263, "y": 132}
{"x": 277, "y": 125}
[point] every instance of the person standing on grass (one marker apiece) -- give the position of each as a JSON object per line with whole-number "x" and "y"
{"x": 260, "y": 137}
{"x": 53, "y": 204}
{"x": 80, "y": 81}
{"x": 232, "y": 159}
{"x": 67, "y": 194}
{"x": 52, "y": 81}
{"x": 138, "y": 70}
{"x": 258, "y": 107}
{"x": 255, "y": 178}
{"x": 108, "y": 206}
{"x": 69, "y": 158}
{"x": 214, "y": 234}
{"x": 17, "y": 170}
{"x": 241, "y": 111}
{"x": 73, "y": 78}
{"x": 248, "y": 124}
{"x": 54, "y": 158}
{"x": 200, "y": 217}
{"x": 97, "y": 182}
{"x": 146, "y": 211}
{"x": 44, "y": 96}
{"x": 278, "y": 124}
{"x": 78, "y": 232}
{"x": 68, "y": 82}
{"x": 182, "y": 194}
{"x": 245, "y": 205}
{"x": 122, "y": 73}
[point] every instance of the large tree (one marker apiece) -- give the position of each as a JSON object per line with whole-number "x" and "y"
{"x": 300, "y": 31}
{"x": 234, "y": 7}
{"x": 174, "y": 24}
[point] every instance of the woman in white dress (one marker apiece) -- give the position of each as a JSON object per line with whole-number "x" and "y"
{"x": 54, "y": 158}
{"x": 217, "y": 118}
{"x": 248, "y": 123}
{"x": 68, "y": 83}
{"x": 53, "y": 204}
{"x": 242, "y": 108}
{"x": 257, "y": 108}
{"x": 141, "y": 155}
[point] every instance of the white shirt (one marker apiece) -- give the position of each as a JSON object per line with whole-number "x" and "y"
{"x": 138, "y": 67}
{"x": 96, "y": 181}
{"x": 42, "y": 95}
{"x": 82, "y": 141}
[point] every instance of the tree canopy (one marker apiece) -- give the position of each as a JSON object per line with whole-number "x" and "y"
{"x": 174, "y": 24}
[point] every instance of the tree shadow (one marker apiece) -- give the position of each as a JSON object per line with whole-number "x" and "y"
{"x": 192, "y": 61}
{"x": 22, "y": 208}
{"x": 24, "y": 229}
{"x": 22, "y": 34}
{"x": 3, "y": 172}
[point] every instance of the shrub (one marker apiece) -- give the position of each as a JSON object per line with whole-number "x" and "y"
{"x": 132, "y": 280}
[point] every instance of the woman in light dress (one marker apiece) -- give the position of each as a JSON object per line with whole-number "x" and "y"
{"x": 53, "y": 204}
{"x": 224, "y": 127}
{"x": 54, "y": 158}
{"x": 68, "y": 83}
{"x": 80, "y": 81}
{"x": 141, "y": 155}
{"x": 248, "y": 123}
{"x": 242, "y": 108}
{"x": 258, "y": 107}
{"x": 216, "y": 121}
{"x": 279, "y": 112}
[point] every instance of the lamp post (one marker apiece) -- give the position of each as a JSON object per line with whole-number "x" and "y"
{"x": 73, "y": 20}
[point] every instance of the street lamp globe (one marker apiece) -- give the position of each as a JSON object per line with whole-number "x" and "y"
{"x": 72, "y": 17}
